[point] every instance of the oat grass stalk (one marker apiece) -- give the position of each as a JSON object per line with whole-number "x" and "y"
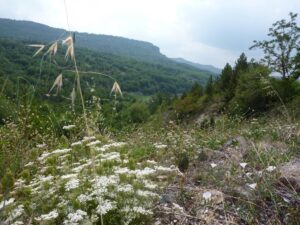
{"x": 57, "y": 83}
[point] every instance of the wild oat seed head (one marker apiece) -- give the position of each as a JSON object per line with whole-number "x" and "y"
{"x": 70, "y": 50}
{"x": 41, "y": 47}
{"x": 52, "y": 49}
{"x": 116, "y": 89}
{"x": 57, "y": 83}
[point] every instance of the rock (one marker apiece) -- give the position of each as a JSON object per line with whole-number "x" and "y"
{"x": 167, "y": 198}
{"x": 290, "y": 174}
{"x": 236, "y": 152}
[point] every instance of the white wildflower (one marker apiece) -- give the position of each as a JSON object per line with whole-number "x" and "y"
{"x": 61, "y": 151}
{"x": 146, "y": 171}
{"x": 106, "y": 147}
{"x": 163, "y": 169}
{"x": 151, "y": 162}
{"x": 45, "y": 178}
{"x": 252, "y": 186}
{"x": 207, "y": 195}
{"x": 41, "y": 145}
{"x": 149, "y": 184}
{"x": 213, "y": 165}
{"x": 160, "y": 146}
{"x": 16, "y": 213}
{"x": 74, "y": 218}
{"x": 105, "y": 206}
{"x": 110, "y": 156}
{"x": 43, "y": 156}
{"x": 76, "y": 143}
{"x": 141, "y": 210}
{"x": 243, "y": 165}
{"x": 79, "y": 168}
{"x": 69, "y": 127}
{"x": 6, "y": 202}
{"x": 270, "y": 168}
{"x": 63, "y": 203}
{"x": 83, "y": 198}
{"x": 29, "y": 164}
{"x": 146, "y": 193}
{"x": 122, "y": 170}
{"x": 93, "y": 143}
{"x": 249, "y": 174}
{"x": 90, "y": 138}
{"x": 17, "y": 223}
{"x": 68, "y": 176}
{"x": 72, "y": 184}
{"x": 45, "y": 217}
{"x": 125, "y": 188}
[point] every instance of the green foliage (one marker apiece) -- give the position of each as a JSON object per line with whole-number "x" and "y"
{"x": 7, "y": 182}
{"x": 138, "y": 112}
{"x": 183, "y": 162}
{"x": 23, "y": 71}
{"x": 250, "y": 92}
{"x": 209, "y": 86}
{"x": 280, "y": 52}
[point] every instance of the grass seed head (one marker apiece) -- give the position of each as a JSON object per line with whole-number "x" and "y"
{"x": 57, "y": 83}
{"x": 116, "y": 89}
{"x": 52, "y": 49}
{"x": 70, "y": 50}
{"x": 41, "y": 47}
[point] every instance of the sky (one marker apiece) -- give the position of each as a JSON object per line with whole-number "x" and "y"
{"x": 210, "y": 32}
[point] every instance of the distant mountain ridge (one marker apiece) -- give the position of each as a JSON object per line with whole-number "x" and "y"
{"x": 32, "y": 31}
{"x": 138, "y": 65}
{"x": 209, "y": 68}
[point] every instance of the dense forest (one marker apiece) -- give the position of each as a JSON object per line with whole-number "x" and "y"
{"x": 108, "y": 136}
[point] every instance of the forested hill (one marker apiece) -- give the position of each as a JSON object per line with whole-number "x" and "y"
{"x": 135, "y": 76}
{"x": 31, "y": 31}
{"x": 209, "y": 68}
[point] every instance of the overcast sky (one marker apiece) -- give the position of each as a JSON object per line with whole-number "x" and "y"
{"x": 204, "y": 31}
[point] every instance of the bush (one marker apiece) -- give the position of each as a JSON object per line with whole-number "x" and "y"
{"x": 138, "y": 112}
{"x": 251, "y": 93}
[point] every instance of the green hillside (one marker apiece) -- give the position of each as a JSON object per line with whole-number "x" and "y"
{"x": 134, "y": 76}
{"x": 31, "y": 31}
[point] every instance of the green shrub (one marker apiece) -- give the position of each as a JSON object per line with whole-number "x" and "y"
{"x": 138, "y": 112}
{"x": 183, "y": 162}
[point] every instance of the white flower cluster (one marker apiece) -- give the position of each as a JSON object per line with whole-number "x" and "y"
{"x": 160, "y": 146}
{"x": 130, "y": 191}
{"x": 72, "y": 184}
{"x": 68, "y": 127}
{"x": 46, "y": 217}
{"x": 105, "y": 206}
{"x": 74, "y": 218}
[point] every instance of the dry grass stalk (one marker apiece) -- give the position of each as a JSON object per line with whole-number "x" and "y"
{"x": 73, "y": 97}
{"x": 41, "y": 47}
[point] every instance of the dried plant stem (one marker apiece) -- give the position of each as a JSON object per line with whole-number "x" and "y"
{"x": 81, "y": 97}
